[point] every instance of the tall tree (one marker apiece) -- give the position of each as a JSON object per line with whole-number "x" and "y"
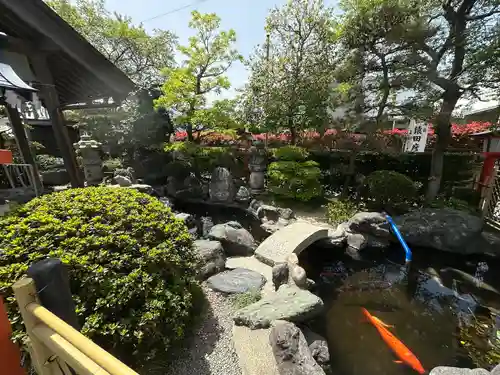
{"x": 291, "y": 74}
{"x": 142, "y": 56}
{"x": 138, "y": 54}
{"x": 208, "y": 56}
{"x": 447, "y": 50}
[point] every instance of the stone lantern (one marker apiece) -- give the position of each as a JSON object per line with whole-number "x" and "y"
{"x": 90, "y": 152}
{"x": 257, "y": 166}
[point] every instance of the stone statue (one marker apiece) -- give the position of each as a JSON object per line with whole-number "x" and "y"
{"x": 257, "y": 165}
{"x": 90, "y": 152}
{"x": 222, "y": 187}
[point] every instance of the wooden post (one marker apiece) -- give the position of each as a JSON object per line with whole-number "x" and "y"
{"x": 25, "y": 293}
{"x": 51, "y": 101}
{"x": 23, "y": 144}
{"x": 9, "y": 352}
{"x": 52, "y": 282}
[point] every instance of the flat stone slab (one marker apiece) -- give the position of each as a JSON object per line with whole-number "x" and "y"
{"x": 252, "y": 263}
{"x": 291, "y": 239}
{"x": 239, "y": 280}
{"x": 254, "y": 351}
{"x": 288, "y": 303}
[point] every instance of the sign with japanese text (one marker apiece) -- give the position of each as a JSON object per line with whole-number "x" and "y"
{"x": 417, "y": 137}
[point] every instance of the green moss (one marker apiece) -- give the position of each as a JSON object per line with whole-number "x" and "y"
{"x": 244, "y": 299}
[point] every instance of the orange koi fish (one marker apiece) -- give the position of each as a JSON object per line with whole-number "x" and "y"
{"x": 400, "y": 350}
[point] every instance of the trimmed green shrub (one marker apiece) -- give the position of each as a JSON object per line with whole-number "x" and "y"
{"x": 290, "y": 153}
{"x": 389, "y": 190}
{"x": 131, "y": 265}
{"x": 293, "y": 177}
{"x": 339, "y": 211}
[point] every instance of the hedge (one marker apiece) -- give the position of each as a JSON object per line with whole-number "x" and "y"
{"x": 458, "y": 171}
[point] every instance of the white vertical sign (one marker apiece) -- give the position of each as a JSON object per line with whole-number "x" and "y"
{"x": 417, "y": 137}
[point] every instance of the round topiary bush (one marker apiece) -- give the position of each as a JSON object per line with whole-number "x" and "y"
{"x": 131, "y": 265}
{"x": 389, "y": 190}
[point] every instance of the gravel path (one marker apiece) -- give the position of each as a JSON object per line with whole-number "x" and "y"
{"x": 211, "y": 351}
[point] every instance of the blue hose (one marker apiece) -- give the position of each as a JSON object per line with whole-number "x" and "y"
{"x": 400, "y": 238}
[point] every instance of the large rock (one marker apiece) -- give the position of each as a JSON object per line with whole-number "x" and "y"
{"x": 442, "y": 229}
{"x": 444, "y": 370}
{"x": 211, "y": 257}
{"x": 288, "y": 303}
{"x": 239, "y": 280}
{"x": 235, "y": 239}
{"x": 243, "y": 194}
{"x": 280, "y": 275}
{"x": 222, "y": 187}
{"x": 318, "y": 347}
{"x": 123, "y": 181}
{"x": 291, "y": 351}
{"x": 373, "y": 223}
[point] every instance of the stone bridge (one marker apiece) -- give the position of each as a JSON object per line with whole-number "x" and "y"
{"x": 292, "y": 239}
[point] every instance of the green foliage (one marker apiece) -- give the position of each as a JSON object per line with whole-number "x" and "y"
{"x": 339, "y": 211}
{"x": 208, "y": 56}
{"x": 110, "y": 165}
{"x": 291, "y": 153}
{"x": 460, "y": 169}
{"x": 454, "y": 203}
{"x": 131, "y": 265}
{"x": 242, "y": 300}
{"x": 137, "y": 53}
{"x": 389, "y": 189}
{"x": 200, "y": 159}
{"x": 291, "y": 73}
{"x": 49, "y": 162}
{"x": 293, "y": 177}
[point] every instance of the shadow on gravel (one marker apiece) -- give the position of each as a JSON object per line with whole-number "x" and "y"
{"x": 189, "y": 355}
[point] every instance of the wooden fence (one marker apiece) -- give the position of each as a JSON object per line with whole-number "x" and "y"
{"x": 55, "y": 347}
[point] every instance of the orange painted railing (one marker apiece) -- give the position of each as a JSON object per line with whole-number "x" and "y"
{"x": 9, "y": 352}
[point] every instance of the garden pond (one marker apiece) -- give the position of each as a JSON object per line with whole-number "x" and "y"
{"x": 442, "y": 307}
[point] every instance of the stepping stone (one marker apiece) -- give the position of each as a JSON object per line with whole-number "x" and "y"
{"x": 292, "y": 239}
{"x": 288, "y": 303}
{"x": 239, "y": 280}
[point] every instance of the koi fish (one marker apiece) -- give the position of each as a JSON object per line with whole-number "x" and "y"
{"x": 400, "y": 350}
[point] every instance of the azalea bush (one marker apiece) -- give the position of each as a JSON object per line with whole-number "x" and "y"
{"x": 461, "y": 137}
{"x": 131, "y": 265}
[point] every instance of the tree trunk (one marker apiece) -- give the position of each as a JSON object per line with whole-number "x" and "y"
{"x": 443, "y": 132}
{"x": 293, "y": 133}
{"x": 189, "y": 131}
{"x": 351, "y": 170}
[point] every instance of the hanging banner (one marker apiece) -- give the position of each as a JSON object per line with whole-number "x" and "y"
{"x": 417, "y": 137}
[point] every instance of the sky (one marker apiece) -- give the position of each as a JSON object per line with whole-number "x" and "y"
{"x": 246, "y": 17}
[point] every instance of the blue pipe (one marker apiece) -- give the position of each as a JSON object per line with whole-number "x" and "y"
{"x": 396, "y": 231}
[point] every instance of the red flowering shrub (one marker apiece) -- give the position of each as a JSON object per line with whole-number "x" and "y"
{"x": 332, "y": 139}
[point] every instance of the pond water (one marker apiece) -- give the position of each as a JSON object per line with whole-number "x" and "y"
{"x": 437, "y": 312}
